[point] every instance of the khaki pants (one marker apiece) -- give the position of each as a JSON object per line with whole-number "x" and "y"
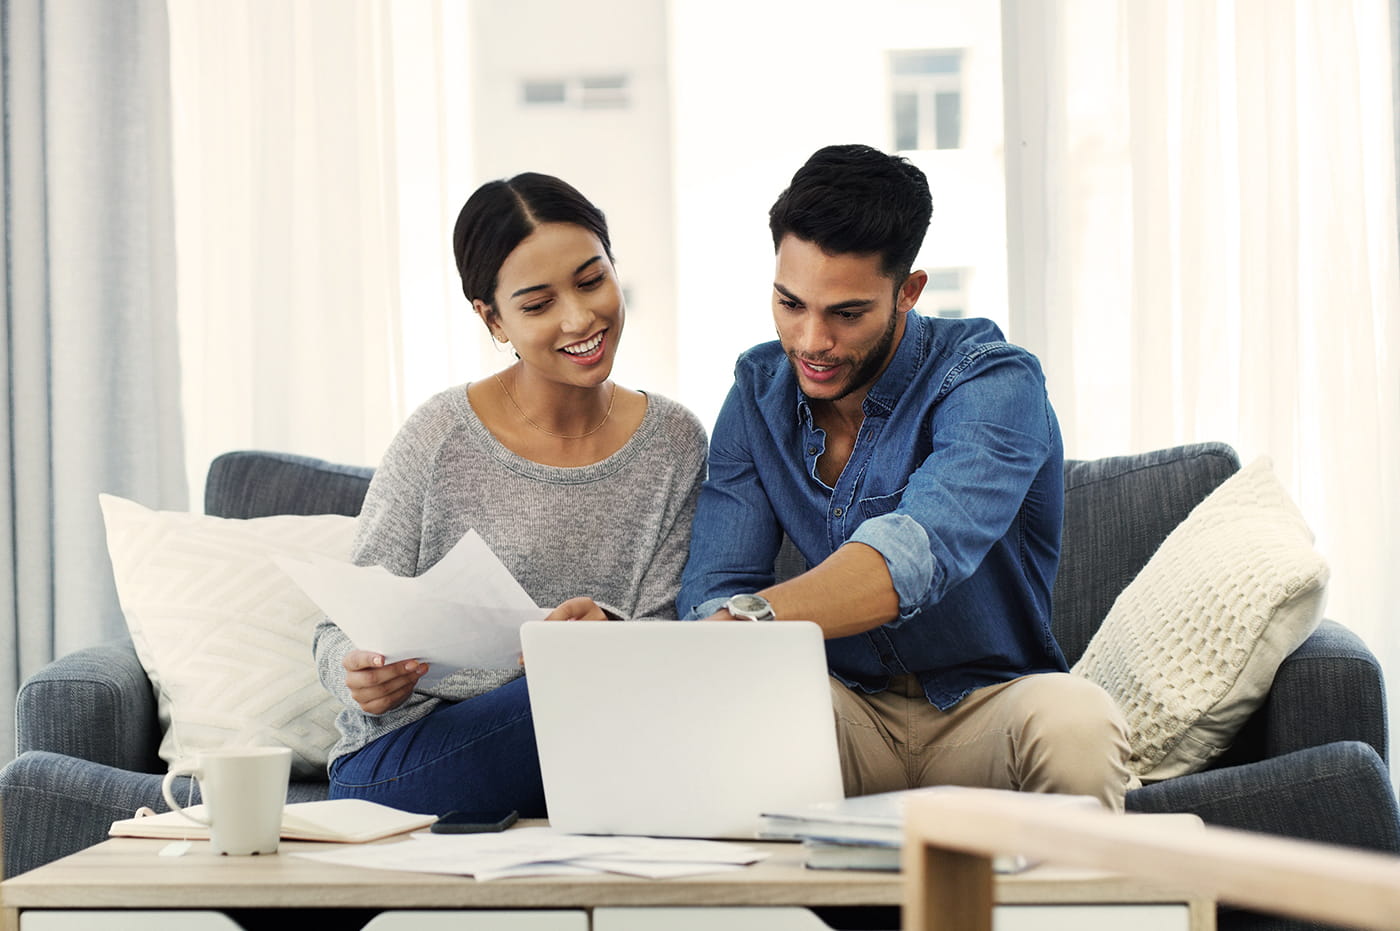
{"x": 1041, "y": 733}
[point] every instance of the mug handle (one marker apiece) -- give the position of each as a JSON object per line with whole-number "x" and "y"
{"x": 181, "y": 769}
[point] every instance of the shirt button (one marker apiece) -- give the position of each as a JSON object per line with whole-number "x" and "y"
{"x": 811, "y": 450}
{"x": 839, "y": 511}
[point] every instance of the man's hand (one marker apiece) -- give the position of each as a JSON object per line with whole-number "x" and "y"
{"x": 378, "y": 688}
{"x": 581, "y": 608}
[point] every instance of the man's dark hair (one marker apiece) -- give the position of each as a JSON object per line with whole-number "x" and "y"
{"x": 855, "y": 199}
{"x": 500, "y": 214}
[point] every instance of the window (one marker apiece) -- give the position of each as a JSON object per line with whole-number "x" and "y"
{"x": 544, "y": 92}
{"x": 945, "y": 295}
{"x": 603, "y": 91}
{"x": 926, "y": 95}
{"x": 587, "y": 92}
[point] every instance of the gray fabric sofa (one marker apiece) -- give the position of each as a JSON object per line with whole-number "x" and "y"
{"x": 1311, "y": 763}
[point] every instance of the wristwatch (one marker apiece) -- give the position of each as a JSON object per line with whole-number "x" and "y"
{"x": 750, "y": 608}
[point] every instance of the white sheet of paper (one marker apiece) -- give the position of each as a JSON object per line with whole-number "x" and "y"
{"x": 535, "y": 869}
{"x": 653, "y": 870}
{"x": 471, "y": 571}
{"x": 465, "y": 611}
{"x": 538, "y": 851}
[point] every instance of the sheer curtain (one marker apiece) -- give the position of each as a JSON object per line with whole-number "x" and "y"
{"x": 89, "y": 375}
{"x": 319, "y": 147}
{"x": 1202, "y": 206}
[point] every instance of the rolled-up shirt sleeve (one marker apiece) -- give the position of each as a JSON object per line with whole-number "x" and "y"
{"x": 991, "y": 436}
{"x": 904, "y": 544}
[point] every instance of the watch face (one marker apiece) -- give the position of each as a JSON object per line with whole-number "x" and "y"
{"x": 750, "y": 606}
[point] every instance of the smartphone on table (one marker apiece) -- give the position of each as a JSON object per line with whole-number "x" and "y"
{"x": 473, "y": 822}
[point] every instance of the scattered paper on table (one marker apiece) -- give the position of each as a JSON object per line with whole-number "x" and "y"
{"x": 465, "y": 611}
{"x": 665, "y": 870}
{"x": 544, "y": 852}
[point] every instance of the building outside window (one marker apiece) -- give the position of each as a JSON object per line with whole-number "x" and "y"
{"x": 589, "y": 92}
{"x": 945, "y": 295}
{"x": 926, "y": 94}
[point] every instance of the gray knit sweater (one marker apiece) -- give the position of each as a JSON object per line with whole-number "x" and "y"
{"x": 617, "y": 530}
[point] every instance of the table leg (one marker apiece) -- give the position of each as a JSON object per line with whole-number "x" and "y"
{"x": 950, "y": 890}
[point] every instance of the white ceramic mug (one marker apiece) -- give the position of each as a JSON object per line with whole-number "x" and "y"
{"x": 244, "y": 789}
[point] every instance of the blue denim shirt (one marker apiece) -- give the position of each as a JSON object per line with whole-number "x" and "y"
{"x": 956, "y": 478}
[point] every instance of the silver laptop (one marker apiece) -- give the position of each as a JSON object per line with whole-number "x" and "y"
{"x": 679, "y": 729}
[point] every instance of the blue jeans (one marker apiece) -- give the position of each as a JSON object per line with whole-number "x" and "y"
{"x": 476, "y": 755}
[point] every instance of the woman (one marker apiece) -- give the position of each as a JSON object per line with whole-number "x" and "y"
{"x": 584, "y": 489}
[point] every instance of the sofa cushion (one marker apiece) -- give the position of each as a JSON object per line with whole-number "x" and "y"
{"x": 1190, "y": 648}
{"x": 225, "y": 635}
{"x": 1117, "y": 512}
{"x": 251, "y": 483}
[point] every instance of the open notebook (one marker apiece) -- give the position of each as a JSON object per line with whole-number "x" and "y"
{"x": 341, "y": 820}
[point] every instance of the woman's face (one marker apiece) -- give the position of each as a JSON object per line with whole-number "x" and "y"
{"x": 559, "y": 304}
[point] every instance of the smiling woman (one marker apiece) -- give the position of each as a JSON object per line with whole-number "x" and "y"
{"x": 555, "y": 298}
{"x": 583, "y": 489}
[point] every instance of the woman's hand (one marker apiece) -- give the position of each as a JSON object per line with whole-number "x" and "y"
{"x": 378, "y": 688}
{"x": 581, "y": 608}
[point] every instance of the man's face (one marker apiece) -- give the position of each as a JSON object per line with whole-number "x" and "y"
{"x": 839, "y": 318}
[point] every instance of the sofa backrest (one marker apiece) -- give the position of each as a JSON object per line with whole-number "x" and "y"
{"x": 1117, "y": 512}
{"x": 258, "y": 484}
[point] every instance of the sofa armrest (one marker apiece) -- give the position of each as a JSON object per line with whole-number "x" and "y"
{"x": 93, "y": 704}
{"x": 1337, "y": 794}
{"x": 1330, "y": 689}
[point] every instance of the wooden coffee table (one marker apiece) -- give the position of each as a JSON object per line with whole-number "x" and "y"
{"x": 98, "y": 886}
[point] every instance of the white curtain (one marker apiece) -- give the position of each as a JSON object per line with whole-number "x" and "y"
{"x": 319, "y": 152}
{"x": 89, "y": 375}
{"x": 1202, "y": 215}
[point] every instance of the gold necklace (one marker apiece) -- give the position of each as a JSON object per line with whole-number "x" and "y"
{"x": 563, "y": 436}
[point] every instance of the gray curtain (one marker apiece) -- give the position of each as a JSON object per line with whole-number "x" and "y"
{"x": 88, "y": 351}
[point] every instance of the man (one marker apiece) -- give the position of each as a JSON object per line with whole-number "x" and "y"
{"x": 915, "y": 464}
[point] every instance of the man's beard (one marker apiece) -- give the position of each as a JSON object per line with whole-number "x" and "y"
{"x": 870, "y": 364}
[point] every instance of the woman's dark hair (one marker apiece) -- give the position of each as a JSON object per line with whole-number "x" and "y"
{"x": 855, "y": 199}
{"x": 500, "y": 214}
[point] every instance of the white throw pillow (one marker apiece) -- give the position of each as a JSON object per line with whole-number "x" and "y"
{"x": 223, "y": 633}
{"x": 1189, "y": 649}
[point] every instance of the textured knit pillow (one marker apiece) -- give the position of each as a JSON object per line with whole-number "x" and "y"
{"x": 225, "y": 635}
{"x": 1189, "y": 649}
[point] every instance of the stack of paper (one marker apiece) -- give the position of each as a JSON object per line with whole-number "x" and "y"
{"x": 341, "y": 820}
{"x": 545, "y": 852}
{"x": 867, "y": 832}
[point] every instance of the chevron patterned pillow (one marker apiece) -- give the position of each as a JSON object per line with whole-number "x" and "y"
{"x": 223, "y": 633}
